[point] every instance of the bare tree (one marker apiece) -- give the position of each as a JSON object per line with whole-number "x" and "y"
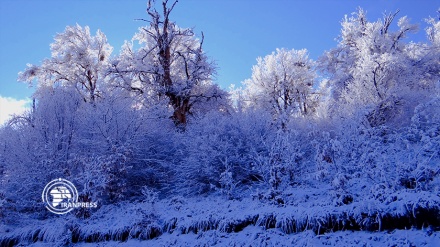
{"x": 171, "y": 63}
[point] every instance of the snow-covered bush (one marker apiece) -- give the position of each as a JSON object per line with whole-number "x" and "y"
{"x": 37, "y": 146}
{"x": 150, "y": 196}
{"x": 219, "y": 150}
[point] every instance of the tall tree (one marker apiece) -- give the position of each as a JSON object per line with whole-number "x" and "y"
{"x": 371, "y": 63}
{"x": 170, "y": 64}
{"x": 78, "y": 59}
{"x": 282, "y": 83}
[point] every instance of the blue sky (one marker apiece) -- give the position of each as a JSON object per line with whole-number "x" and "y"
{"x": 236, "y": 31}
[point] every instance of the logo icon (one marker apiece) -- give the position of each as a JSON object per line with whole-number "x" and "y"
{"x": 58, "y": 196}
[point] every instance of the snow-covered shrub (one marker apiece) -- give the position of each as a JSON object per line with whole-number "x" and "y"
{"x": 279, "y": 161}
{"x": 427, "y": 117}
{"x": 37, "y": 146}
{"x": 227, "y": 182}
{"x": 149, "y": 195}
{"x": 128, "y": 143}
{"x": 155, "y": 151}
{"x": 103, "y": 178}
{"x": 425, "y": 136}
{"x": 338, "y": 152}
{"x": 218, "y": 152}
{"x": 385, "y": 111}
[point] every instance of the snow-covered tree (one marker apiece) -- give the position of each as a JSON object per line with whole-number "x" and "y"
{"x": 360, "y": 65}
{"x": 170, "y": 65}
{"x": 78, "y": 59}
{"x": 431, "y": 55}
{"x": 282, "y": 83}
{"x": 39, "y": 144}
{"x": 374, "y": 68}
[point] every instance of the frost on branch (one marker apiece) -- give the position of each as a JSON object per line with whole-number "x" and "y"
{"x": 78, "y": 60}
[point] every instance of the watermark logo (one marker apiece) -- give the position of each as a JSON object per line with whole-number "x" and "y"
{"x": 60, "y": 197}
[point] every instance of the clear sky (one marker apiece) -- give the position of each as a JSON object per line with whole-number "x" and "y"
{"x": 236, "y": 31}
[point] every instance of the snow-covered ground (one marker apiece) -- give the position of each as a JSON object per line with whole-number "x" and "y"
{"x": 255, "y": 236}
{"x": 308, "y": 218}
